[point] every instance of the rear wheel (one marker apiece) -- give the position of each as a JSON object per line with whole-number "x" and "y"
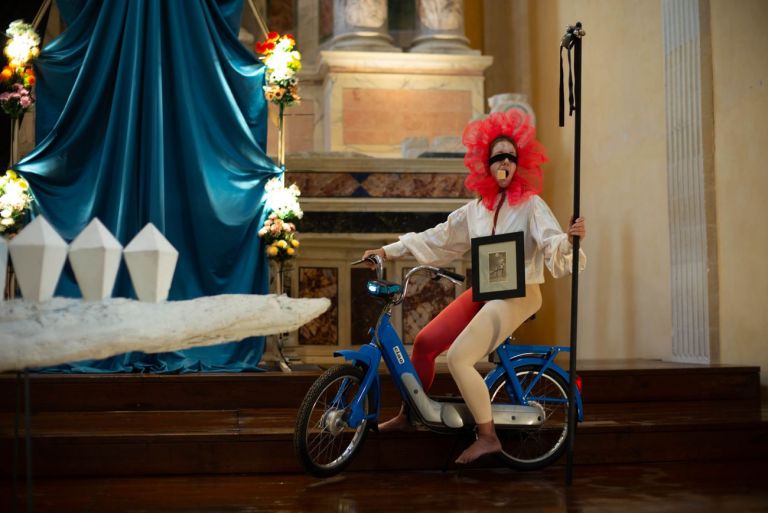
{"x": 531, "y": 448}
{"x": 323, "y": 441}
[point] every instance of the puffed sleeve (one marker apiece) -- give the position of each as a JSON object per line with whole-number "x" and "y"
{"x": 438, "y": 246}
{"x": 558, "y": 250}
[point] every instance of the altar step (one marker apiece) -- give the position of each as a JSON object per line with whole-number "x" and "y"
{"x": 129, "y": 425}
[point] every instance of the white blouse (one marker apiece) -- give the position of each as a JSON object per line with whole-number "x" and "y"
{"x": 545, "y": 242}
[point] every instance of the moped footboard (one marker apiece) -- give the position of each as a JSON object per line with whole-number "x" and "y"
{"x": 457, "y": 415}
{"x": 367, "y": 358}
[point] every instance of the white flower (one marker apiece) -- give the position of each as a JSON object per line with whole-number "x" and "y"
{"x": 7, "y": 222}
{"x": 281, "y": 200}
{"x": 22, "y": 43}
{"x": 6, "y": 213}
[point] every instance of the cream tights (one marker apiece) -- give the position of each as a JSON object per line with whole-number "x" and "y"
{"x": 495, "y": 321}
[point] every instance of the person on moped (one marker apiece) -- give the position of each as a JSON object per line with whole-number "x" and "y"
{"x": 504, "y": 161}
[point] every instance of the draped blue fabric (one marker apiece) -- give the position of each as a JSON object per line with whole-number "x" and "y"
{"x": 153, "y": 111}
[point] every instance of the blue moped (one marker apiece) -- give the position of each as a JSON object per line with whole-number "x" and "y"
{"x": 529, "y": 395}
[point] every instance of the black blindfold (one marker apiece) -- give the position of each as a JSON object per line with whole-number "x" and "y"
{"x": 501, "y": 156}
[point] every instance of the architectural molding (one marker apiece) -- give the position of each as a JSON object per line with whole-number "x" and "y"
{"x": 691, "y": 180}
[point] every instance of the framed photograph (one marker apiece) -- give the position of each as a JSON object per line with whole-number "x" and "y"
{"x": 498, "y": 267}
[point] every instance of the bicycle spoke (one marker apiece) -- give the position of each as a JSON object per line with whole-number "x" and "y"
{"x": 528, "y": 446}
{"x": 327, "y": 441}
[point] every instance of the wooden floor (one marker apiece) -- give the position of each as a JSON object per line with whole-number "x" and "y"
{"x": 657, "y": 438}
{"x": 718, "y": 487}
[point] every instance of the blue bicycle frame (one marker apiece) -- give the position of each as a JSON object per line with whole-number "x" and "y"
{"x": 386, "y": 345}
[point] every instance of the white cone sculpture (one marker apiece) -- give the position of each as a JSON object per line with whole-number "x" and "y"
{"x": 95, "y": 258}
{"x": 3, "y": 266}
{"x": 151, "y": 260}
{"x": 38, "y": 254}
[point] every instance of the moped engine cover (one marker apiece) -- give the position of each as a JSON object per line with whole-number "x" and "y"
{"x": 517, "y": 415}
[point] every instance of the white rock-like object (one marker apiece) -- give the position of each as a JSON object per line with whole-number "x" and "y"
{"x": 38, "y": 254}
{"x": 3, "y": 266}
{"x": 151, "y": 261}
{"x": 68, "y": 330}
{"x": 95, "y": 258}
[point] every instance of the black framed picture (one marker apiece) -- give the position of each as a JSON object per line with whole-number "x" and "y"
{"x": 498, "y": 267}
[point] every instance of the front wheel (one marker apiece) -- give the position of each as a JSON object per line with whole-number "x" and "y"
{"x": 532, "y": 448}
{"x": 323, "y": 441}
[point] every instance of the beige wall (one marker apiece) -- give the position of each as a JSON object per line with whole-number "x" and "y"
{"x": 624, "y": 302}
{"x": 625, "y": 294}
{"x": 740, "y": 69}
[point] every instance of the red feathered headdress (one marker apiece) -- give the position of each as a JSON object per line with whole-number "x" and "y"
{"x": 478, "y": 136}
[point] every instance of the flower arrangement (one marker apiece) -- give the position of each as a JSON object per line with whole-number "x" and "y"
{"x": 279, "y": 230}
{"x": 283, "y": 201}
{"x": 15, "y": 200}
{"x": 283, "y": 61}
{"x": 280, "y": 237}
{"x": 18, "y": 77}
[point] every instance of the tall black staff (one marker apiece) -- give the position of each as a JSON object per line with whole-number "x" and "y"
{"x": 572, "y": 40}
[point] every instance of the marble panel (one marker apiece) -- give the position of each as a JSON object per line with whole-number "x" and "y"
{"x": 380, "y": 185}
{"x": 416, "y": 185}
{"x": 370, "y": 222}
{"x": 367, "y": 114}
{"x": 315, "y": 282}
{"x": 413, "y": 74}
{"x": 365, "y": 309}
{"x": 324, "y": 185}
{"x": 299, "y": 125}
{"x": 426, "y": 298}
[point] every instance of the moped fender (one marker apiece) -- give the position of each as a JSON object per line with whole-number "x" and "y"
{"x": 492, "y": 376}
{"x": 367, "y": 357}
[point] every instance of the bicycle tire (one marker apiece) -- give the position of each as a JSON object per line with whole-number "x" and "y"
{"x": 323, "y": 443}
{"x": 533, "y": 448}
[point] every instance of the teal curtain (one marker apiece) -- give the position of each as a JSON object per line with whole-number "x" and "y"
{"x": 153, "y": 111}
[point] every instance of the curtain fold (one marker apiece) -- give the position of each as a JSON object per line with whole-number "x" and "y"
{"x": 153, "y": 111}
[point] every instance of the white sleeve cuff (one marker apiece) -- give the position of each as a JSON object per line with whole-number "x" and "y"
{"x": 395, "y": 250}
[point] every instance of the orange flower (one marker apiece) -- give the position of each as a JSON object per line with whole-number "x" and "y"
{"x": 6, "y": 73}
{"x": 31, "y": 80}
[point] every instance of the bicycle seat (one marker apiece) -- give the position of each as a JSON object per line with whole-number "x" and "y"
{"x": 385, "y": 289}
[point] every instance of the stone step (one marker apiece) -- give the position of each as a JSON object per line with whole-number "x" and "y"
{"x": 603, "y": 382}
{"x": 131, "y": 443}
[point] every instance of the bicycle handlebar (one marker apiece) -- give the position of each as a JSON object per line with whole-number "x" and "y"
{"x": 452, "y": 275}
{"x": 438, "y": 271}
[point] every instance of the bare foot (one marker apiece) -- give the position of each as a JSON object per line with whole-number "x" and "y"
{"x": 397, "y": 423}
{"x": 485, "y": 444}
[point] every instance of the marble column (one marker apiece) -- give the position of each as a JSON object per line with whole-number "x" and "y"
{"x": 360, "y": 25}
{"x": 691, "y": 181}
{"x": 440, "y": 28}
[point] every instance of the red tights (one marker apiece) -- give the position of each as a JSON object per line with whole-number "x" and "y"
{"x": 437, "y": 336}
